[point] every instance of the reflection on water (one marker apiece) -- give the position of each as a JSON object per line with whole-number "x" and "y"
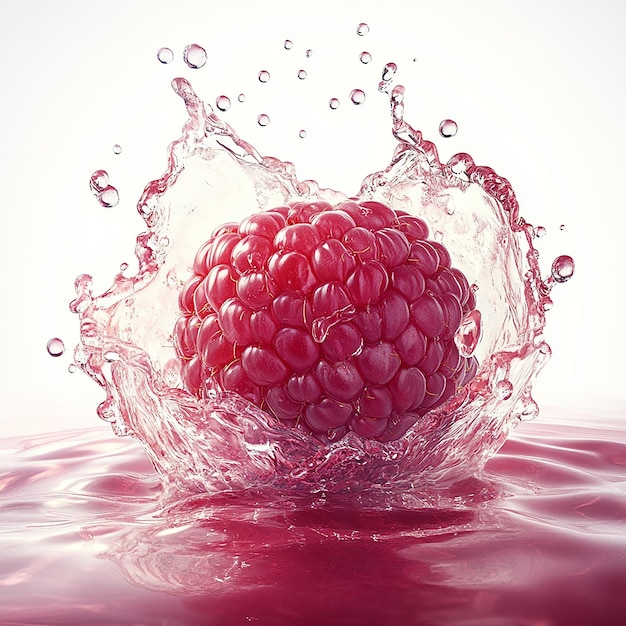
{"x": 538, "y": 539}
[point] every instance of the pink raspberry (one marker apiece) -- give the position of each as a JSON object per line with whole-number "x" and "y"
{"x": 329, "y": 318}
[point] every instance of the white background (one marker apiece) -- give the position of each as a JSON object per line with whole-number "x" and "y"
{"x": 537, "y": 88}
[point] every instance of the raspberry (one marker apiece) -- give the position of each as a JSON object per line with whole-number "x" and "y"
{"x": 329, "y": 318}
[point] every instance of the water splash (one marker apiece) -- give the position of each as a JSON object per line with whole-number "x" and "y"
{"x": 222, "y": 442}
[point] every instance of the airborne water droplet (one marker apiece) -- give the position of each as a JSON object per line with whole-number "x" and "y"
{"x": 365, "y": 57}
{"x": 109, "y": 197}
{"x": 71, "y": 368}
{"x": 264, "y": 76}
{"x": 562, "y": 268}
{"x": 165, "y": 55}
{"x": 540, "y": 231}
{"x": 263, "y": 119}
{"x": 309, "y": 53}
{"x": 302, "y": 74}
{"x": 55, "y": 347}
{"x": 333, "y": 103}
{"x": 562, "y": 227}
{"x": 448, "y": 128}
{"x": 222, "y": 103}
{"x": 194, "y": 56}
{"x": 241, "y": 97}
{"x": 98, "y": 181}
{"x": 357, "y": 96}
{"x": 362, "y": 29}
{"x": 389, "y": 71}
{"x": 288, "y": 44}
{"x": 117, "y": 149}
{"x": 302, "y": 134}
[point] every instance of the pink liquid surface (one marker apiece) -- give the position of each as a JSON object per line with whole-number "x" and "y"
{"x": 538, "y": 538}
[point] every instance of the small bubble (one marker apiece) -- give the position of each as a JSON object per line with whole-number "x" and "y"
{"x": 365, "y": 57}
{"x": 241, "y": 97}
{"x": 194, "y": 56}
{"x": 117, "y": 149}
{"x": 222, "y": 103}
{"x": 165, "y": 55}
{"x": 562, "y": 268}
{"x": 540, "y": 231}
{"x": 98, "y": 181}
{"x": 448, "y": 128}
{"x": 71, "y": 368}
{"x": 357, "y": 96}
{"x": 55, "y": 347}
{"x": 333, "y": 103}
{"x": 302, "y": 134}
{"x": 263, "y": 119}
{"x": 362, "y": 29}
{"x": 302, "y": 74}
{"x": 504, "y": 389}
{"x": 109, "y": 197}
{"x": 264, "y": 76}
{"x": 288, "y": 44}
{"x": 309, "y": 53}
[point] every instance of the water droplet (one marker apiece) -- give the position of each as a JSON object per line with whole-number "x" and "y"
{"x": 540, "y": 231}
{"x": 448, "y": 128}
{"x": 71, "y": 368}
{"x": 365, "y": 57}
{"x": 117, "y": 149}
{"x": 504, "y": 389}
{"x": 241, "y": 97}
{"x": 362, "y": 29}
{"x": 389, "y": 71}
{"x": 109, "y": 197}
{"x": 123, "y": 267}
{"x": 194, "y": 56}
{"x": 468, "y": 334}
{"x": 302, "y": 74}
{"x": 357, "y": 96}
{"x": 55, "y": 347}
{"x": 302, "y": 134}
{"x": 288, "y": 44}
{"x": 222, "y": 103}
{"x": 562, "y": 268}
{"x": 264, "y": 76}
{"x": 165, "y": 55}
{"x": 309, "y": 53}
{"x": 263, "y": 119}
{"x": 562, "y": 227}
{"x": 98, "y": 181}
{"x": 333, "y": 103}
